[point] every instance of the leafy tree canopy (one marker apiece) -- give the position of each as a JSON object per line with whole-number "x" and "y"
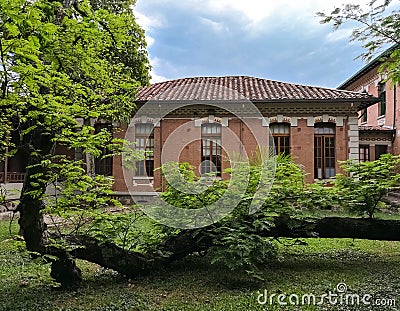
{"x": 64, "y": 61}
{"x": 378, "y": 27}
{"x": 63, "y": 65}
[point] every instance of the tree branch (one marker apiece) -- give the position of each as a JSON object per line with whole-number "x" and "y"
{"x": 134, "y": 264}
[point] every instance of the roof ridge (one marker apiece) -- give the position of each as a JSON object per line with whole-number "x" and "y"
{"x": 205, "y": 78}
{"x": 243, "y": 86}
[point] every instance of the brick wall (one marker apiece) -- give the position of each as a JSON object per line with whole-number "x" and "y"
{"x": 369, "y": 82}
{"x": 301, "y": 140}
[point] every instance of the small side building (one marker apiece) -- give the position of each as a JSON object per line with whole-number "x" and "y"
{"x": 379, "y": 123}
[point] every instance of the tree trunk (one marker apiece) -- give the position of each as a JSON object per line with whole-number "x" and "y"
{"x": 134, "y": 264}
{"x": 31, "y": 221}
{"x": 336, "y": 227}
{"x": 32, "y": 225}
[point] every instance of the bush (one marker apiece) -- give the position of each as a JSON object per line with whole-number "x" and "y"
{"x": 364, "y": 184}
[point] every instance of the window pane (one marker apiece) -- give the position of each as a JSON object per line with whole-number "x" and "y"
{"x": 144, "y": 138}
{"x": 324, "y": 151}
{"x": 280, "y": 128}
{"x": 280, "y": 133}
{"x": 324, "y": 128}
{"x": 211, "y": 148}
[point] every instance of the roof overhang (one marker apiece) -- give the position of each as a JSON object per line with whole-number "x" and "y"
{"x": 360, "y": 104}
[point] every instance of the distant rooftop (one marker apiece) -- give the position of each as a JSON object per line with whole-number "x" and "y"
{"x": 245, "y": 88}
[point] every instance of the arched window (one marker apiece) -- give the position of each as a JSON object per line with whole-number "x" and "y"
{"x": 281, "y": 134}
{"x": 324, "y": 150}
{"x": 211, "y": 148}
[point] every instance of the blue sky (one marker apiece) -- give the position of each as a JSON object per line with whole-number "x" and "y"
{"x": 278, "y": 40}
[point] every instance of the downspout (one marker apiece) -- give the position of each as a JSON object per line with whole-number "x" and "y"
{"x": 160, "y": 153}
{"x": 394, "y": 112}
{"x": 242, "y": 150}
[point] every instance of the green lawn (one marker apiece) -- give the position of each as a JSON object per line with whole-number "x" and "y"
{"x": 367, "y": 267}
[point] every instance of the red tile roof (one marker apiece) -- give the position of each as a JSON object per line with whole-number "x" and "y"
{"x": 374, "y": 128}
{"x": 243, "y": 87}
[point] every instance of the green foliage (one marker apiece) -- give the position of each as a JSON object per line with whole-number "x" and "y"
{"x": 377, "y": 27}
{"x": 287, "y": 188}
{"x": 62, "y": 66}
{"x": 319, "y": 195}
{"x": 365, "y": 183}
{"x": 188, "y": 183}
{"x": 237, "y": 243}
{"x": 239, "y": 246}
{"x": 116, "y": 6}
{"x": 129, "y": 228}
{"x": 196, "y": 285}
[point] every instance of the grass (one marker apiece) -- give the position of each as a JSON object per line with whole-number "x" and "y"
{"x": 371, "y": 267}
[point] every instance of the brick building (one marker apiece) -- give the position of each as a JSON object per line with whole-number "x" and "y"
{"x": 378, "y": 122}
{"x": 317, "y": 126}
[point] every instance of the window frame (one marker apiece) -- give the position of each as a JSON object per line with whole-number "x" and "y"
{"x": 364, "y": 153}
{"x": 382, "y": 98}
{"x": 213, "y": 146}
{"x": 324, "y": 152}
{"x": 281, "y": 136}
{"x": 364, "y": 115}
{"x": 144, "y": 140}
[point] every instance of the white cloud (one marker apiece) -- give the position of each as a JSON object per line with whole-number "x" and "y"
{"x": 256, "y": 36}
{"x": 147, "y": 22}
{"x": 155, "y": 64}
{"x": 253, "y": 10}
{"x": 340, "y": 34}
{"x": 150, "y": 40}
{"x": 155, "y": 78}
{"x": 267, "y": 15}
{"x": 255, "y": 15}
{"x": 216, "y": 26}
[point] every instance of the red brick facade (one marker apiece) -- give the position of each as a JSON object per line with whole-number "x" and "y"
{"x": 378, "y": 125}
{"x": 299, "y": 109}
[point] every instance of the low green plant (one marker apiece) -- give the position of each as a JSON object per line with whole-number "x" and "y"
{"x": 237, "y": 242}
{"x": 364, "y": 184}
{"x": 319, "y": 196}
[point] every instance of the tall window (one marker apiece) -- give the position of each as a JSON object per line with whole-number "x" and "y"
{"x": 324, "y": 150}
{"x": 364, "y": 116}
{"x": 364, "y": 153}
{"x": 144, "y": 138}
{"x": 382, "y": 97}
{"x": 103, "y": 166}
{"x": 281, "y": 134}
{"x": 211, "y": 148}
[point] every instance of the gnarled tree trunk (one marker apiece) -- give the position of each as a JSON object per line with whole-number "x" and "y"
{"x": 32, "y": 225}
{"x": 176, "y": 247}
